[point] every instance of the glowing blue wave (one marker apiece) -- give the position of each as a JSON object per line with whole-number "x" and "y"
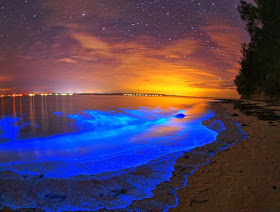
{"x": 8, "y": 128}
{"x": 109, "y": 147}
{"x": 106, "y": 141}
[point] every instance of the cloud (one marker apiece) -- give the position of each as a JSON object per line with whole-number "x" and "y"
{"x": 83, "y": 59}
{"x": 228, "y": 40}
{"x": 93, "y": 43}
{"x": 5, "y": 89}
{"x": 67, "y": 60}
{"x": 92, "y": 64}
{"x": 5, "y": 78}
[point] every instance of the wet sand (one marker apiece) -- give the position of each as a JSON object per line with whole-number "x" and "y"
{"x": 246, "y": 176}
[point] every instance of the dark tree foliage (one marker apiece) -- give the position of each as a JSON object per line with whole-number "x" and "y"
{"x": 259, "y": 76}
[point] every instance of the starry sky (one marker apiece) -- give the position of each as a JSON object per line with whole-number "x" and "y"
{"x": 182, "y": 47}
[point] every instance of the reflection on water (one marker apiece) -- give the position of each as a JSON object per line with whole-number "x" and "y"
{"x": 87, "y": 129}
{"x": 68, "y": 136}
{"x": 39, "y": 111}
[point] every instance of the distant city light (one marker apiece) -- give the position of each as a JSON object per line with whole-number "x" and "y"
{"x": 137, "y": 94}
{"x": 71, "y": 94}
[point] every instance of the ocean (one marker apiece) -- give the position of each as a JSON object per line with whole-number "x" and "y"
{"x": 90, "y": 152}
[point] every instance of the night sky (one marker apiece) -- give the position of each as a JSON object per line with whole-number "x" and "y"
{"x": 183, "y": 47}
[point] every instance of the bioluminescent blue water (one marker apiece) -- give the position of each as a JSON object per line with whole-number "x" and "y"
{"x": 127, "y": 146}
{"x": 105, "y": 141}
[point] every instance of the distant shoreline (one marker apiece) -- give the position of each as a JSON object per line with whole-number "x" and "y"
{"x": 111, "y": 94}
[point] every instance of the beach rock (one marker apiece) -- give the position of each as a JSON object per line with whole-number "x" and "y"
{"x": 180, "y": 116}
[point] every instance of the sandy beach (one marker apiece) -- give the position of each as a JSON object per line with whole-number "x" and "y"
{"x": 234, "y": 173}
{"x": 246, "y": 176}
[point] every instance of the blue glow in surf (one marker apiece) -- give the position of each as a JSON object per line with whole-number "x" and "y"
{"x": 105, "y": 142}
{"x": 8, "y": 128}
{"x": 108, "y": 146}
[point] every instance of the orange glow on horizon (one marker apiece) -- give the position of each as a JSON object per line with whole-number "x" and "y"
{"x": 176, "y": 68}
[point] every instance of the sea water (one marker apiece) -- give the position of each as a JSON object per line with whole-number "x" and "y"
{"x": 110, "y": 150}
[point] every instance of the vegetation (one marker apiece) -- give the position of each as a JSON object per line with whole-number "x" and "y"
{"x": 259, "y": 76}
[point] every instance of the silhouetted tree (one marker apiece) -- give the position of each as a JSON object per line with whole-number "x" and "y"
{"x": 259, "y": 76}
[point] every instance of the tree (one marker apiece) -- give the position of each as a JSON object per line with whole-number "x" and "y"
{"x": 259, "y": 76}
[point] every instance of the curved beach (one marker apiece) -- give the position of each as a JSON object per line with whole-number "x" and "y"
{"x": 244, "y": 177}
{"x": 238, "y": 171}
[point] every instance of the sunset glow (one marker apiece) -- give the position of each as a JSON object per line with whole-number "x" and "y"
{"x": 121, "y": 46}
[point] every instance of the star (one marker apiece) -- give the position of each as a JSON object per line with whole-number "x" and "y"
{"x": 48, "y": 35}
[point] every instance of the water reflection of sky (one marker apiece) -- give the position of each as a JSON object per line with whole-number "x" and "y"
{"x": 111, "y": 142}
{"x": 99, "y": 140}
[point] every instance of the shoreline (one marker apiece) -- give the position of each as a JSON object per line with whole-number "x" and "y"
{"x": 200, "y": 175}
{"x": 244, "y": 177}
{"x": 165, "y": 195}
